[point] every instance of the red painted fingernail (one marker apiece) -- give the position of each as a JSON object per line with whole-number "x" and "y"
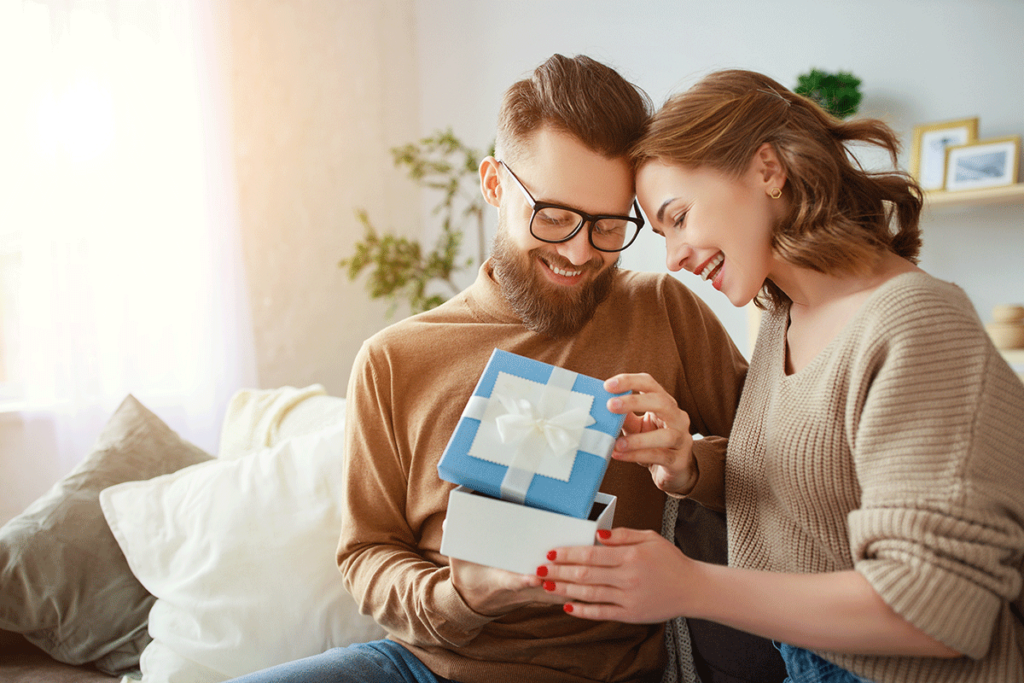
{"x": 549, "y": 586}
{"x": 604, "y": 534}
{"x": 568, "y": 608}
{"x": 542, "y": 571}
{"x": 552, "y": 555}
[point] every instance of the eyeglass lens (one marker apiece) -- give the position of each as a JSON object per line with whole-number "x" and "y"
{"x": 555, "y": 224}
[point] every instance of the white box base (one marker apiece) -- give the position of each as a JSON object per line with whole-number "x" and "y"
{"x": 515, "y": 537}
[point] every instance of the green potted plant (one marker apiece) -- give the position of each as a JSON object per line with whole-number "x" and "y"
{"x": 402, "y": 269}
{"x": 837, "y": 93}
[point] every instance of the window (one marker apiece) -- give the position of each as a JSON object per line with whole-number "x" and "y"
{"x": 10, "y": 277}
{"x": 119, "y": 261}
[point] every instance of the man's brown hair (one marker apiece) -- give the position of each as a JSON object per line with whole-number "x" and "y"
{"x": 842, "y": 216}
{"x": 579, "y": 96}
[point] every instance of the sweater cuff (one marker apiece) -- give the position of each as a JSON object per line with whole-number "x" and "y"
{"x": 456, "y": 622}
{"x": 939, "y": 595}
{"x": 710, "y": 488}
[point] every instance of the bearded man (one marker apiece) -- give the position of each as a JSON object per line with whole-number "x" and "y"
{"x": 563, "y": 187}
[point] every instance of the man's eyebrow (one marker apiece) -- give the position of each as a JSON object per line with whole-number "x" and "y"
{"x": 559, "y": 205}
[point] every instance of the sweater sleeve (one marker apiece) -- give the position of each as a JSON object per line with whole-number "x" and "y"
{"x": 937, "y": 420}
{"x": 378, "y": 554}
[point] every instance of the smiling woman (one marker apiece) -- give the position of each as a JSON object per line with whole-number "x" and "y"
{"x": 116, "y": 235}
{"x": 874, "y": 461}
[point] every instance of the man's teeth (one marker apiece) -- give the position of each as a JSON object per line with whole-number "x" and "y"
{"x": 564, "y": 273}
{"x": 710, "y": 268}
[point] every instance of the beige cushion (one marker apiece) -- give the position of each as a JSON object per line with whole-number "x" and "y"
{"x": 311, "y": 415}
{"x": 64, "y": 582}
{"x": 258, "y": 418}
{"x": 240, "y": 554}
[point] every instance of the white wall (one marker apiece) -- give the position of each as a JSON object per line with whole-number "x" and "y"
{"x": 920, "y": 61}
{"x": 321, "y": 90}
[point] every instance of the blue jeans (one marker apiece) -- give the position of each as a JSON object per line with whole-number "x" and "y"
{"x": 380, "y": 661}
{"x": 803, "y": 666}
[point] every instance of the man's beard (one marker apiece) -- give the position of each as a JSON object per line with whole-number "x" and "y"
{"x": 544, "y": 307}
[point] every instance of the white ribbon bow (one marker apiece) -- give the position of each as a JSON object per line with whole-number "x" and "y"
{"x": 562, "y": 432}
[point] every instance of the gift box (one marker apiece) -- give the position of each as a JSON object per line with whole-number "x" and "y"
{"x": 515, "y": 537}
{"x": 533, "y": 434}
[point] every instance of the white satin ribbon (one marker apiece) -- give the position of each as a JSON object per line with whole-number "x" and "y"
{"x": 561, "y": 432}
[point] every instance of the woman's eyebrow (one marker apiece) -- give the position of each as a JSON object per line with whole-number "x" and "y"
{"x": 664, "y": 205}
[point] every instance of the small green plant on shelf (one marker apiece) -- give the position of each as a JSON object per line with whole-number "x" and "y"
{"x": 402, "y": 269}
{"x": 837, "y": 93}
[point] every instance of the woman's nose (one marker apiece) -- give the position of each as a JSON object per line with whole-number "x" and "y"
{"x": 677, "y": 253}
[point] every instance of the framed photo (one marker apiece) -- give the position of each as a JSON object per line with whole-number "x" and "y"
{"x": 928, "y": 157}
{"x": 988, "y": 163}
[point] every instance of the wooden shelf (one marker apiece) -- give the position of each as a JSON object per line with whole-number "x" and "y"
{"x": 1007, "y": 194}
{"x": 1015, "y": 357}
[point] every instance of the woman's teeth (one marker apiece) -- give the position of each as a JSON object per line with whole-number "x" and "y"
{"x": 710, "y": 268}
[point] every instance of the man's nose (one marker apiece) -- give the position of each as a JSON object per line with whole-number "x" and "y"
{"x": 578, "y": 250}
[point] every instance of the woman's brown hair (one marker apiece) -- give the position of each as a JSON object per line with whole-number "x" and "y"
{"x": 842, "y": 216}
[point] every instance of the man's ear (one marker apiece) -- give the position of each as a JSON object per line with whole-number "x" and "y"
{"x": 490, "y": 181}
{"x": 770, "y": 171}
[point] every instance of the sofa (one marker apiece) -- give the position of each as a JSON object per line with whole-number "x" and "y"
{"x": 155, "y": 561}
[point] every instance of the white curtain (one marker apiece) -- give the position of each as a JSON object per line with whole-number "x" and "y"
{"x": 118, "y": 225}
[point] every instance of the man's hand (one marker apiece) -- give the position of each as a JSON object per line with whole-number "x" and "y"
{"x": 494, "y": 592}
{"x": 656, "y": 433}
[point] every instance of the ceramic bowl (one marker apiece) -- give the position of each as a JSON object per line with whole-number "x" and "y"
{"x": 1008, "y": 313}
{"x": 1006, "y": 335}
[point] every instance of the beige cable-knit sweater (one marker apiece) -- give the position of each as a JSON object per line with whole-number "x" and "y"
{"x": 898, "y": 452}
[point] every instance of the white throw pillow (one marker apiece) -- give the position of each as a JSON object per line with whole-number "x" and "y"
{"x": 240, "y": 555}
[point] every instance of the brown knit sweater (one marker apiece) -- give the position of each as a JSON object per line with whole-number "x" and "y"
{"x": 898, "y": 452}
{"x": 408, "y": 387}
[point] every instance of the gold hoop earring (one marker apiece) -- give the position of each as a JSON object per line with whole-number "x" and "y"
{"x": 775, "y": 193}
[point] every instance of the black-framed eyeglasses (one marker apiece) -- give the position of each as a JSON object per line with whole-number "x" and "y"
{"x": 554, "y": 223}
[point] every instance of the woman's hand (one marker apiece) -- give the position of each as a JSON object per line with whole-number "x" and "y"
{"x": 640, "y": 577}
{"x": 656, "y": 432}
{"x": 635, "y": 576}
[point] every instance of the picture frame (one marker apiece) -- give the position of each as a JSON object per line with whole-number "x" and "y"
{"x": 928, "y": 155}
{"x": 985, "y": 163}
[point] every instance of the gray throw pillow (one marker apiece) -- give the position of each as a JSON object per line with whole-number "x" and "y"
{"x": 64, "y": 582}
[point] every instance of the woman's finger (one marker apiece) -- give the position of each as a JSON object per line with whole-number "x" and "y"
{"x": 595, "y": 612}
{"x": 608, "y": 554}
{"x": 594, "y": 594}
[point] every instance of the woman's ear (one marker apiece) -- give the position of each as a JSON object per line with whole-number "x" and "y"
{"x": 490, "y": 181}
{"x": 768, "y": 167}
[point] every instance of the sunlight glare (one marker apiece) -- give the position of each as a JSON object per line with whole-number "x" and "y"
{"x": 78, "y": 122}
